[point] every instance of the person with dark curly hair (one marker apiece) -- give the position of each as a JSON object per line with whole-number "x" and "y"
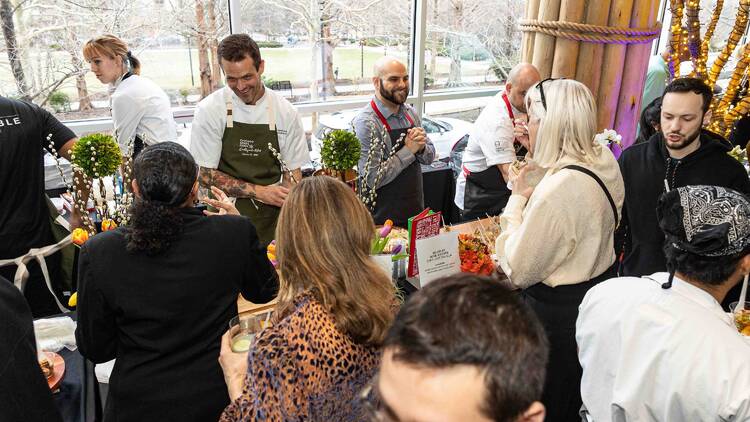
{"x": 660, "y": 347}
{"x": 158, "y": 294}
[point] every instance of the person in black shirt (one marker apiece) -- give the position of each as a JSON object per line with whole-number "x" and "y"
{"x": 24, "y": 216}
{"x": 681, "y": 154}
{"x": 158, "y": 294}
{"x": 24, "y": 393}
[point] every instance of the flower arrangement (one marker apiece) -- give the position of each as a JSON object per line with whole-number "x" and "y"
{"x": 271, "y": 253}
{"x": 97, "y": 155}
{"x": 340, "y": 150}
{"x": 739, "y": 154}
{"x": 381, "y": 240}
{"x": 475, "y": 255}
{"x": 608, "y": 137}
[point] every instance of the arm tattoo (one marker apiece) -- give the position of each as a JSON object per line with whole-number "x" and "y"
{"x": 230, "y": 185}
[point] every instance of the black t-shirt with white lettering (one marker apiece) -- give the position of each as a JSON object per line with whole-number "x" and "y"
{"x": 24, "y": 129}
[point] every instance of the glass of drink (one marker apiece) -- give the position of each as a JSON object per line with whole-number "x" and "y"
{"x": 741, "y": 317}
{"x": 242, "y": 331}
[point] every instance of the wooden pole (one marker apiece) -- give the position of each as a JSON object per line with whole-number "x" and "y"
{"x": 590, "y": 55}
{"x": 566, "y": 51}
{"x": 612, "y": 67}
{"x": 532, "y": 12}
{"x": 544, "y": 45}
{"x": 637, "y": 57}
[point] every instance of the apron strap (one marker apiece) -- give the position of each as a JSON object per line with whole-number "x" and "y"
{"x": 380, "y": 115}
{"x": 271, "y": 116}
{"x": 509, "y": 108}
{"x": 228, "y": 102}
{"x": 22, "y": 273}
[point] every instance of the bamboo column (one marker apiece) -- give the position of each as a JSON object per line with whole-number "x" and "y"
{"x": 544, "y": 45}
{"x": 591, "y": 54}
{"x": 637, "y": 57}
{"x": 612, "y": 67}
{"x": 527, "y": 52}
{"x": 566, "y": 51}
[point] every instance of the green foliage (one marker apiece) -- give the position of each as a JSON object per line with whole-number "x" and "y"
{"x": 269, "y": 44}
{"x": 184, "y": 92}
{"x": 340, "y": 150}
{"x": 59, "y": 101}
{"x": 267, "y": 80}
{"x": 97, "y": 155}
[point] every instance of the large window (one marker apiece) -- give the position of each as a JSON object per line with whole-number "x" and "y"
{"x": 324, "y": 50}
{"x": 471, "y": 43}
{"x": 175, "y": 41}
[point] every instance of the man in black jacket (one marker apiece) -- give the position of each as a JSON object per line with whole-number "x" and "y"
{"x": 682, "y": 154}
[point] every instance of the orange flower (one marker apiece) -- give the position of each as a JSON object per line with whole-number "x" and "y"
{"x": 108, "y": 224}
{"x": 79, "y": 236}
{"x": 388, "y": 222}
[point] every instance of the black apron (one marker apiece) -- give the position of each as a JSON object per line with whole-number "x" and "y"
{"x": 486, "y": 192}
{"x": 402, "y": 197}
{"x": 245, "y": 155}
{"x": 557, "y": 309}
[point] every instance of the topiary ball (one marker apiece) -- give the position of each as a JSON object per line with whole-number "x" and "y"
{"x": 340, "y": 150}
{"x": 97, "y": 155}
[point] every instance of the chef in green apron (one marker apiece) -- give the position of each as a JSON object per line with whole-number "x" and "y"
{"x": 247, "y": 138}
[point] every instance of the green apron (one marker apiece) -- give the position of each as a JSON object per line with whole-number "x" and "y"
{"x": 245, "y": 155}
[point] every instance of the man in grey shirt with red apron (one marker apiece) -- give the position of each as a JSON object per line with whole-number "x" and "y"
{"x": 238, "y": 132}
{"x": 390, "y": 136}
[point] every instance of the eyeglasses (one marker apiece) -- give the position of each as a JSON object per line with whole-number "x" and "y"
{"x": 540, "y": 87}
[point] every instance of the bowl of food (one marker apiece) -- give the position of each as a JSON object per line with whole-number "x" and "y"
{"x": 53, "y": 368}
{"x": 741, "y": 317}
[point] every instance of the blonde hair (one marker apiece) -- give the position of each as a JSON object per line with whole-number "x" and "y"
{"x": 110, "y": 46}
{"x": 323, "y": 237}
{"x": 567, "y": 125}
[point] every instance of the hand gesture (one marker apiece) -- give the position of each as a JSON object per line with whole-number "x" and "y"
{"x": 521, "y": 132}
{"x": 234, "y": 367}
{"x": 416, "y": 138}
{"x": 271, "y": 195}
{"x": 521, "y": 185}
{"x": 222, "y": 203}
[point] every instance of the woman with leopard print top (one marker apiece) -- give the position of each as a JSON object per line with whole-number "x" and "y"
{"x": 334, "y": 308}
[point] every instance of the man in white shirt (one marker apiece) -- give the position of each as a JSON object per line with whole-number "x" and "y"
{"x": 247, "y": 139}
{"x": 660, "y": 347}
{"x": 481, "y": 187}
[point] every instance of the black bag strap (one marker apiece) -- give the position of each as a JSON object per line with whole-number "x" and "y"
{"x": 601, "y": 184}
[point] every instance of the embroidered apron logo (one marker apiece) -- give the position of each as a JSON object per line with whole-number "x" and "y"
{"x": 247, "y": 148}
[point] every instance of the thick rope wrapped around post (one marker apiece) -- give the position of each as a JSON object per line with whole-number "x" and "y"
{"x": 591, "y": 33}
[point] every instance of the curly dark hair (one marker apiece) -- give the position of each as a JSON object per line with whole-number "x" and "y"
{"x": 472, "y": 320}
{"x": 694, "y": 85}
{"x": 165, "y": 174}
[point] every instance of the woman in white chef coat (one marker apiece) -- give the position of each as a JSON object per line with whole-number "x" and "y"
{"x": 141, "y": 110}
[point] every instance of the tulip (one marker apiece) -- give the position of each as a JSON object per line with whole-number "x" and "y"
{"x": 396, "y": 249}
{"x": 385, "y": 230}
{"x": 108, "y": 224}
{"x": 79, "y": 236}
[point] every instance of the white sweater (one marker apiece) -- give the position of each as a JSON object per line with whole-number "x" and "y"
{"x": 563, "y": 234}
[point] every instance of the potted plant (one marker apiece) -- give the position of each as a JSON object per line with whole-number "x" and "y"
{"x": 339, "y": 154}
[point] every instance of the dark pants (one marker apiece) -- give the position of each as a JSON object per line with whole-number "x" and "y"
{"x": 557, "y": 308}
{"x": 37, "y": 295}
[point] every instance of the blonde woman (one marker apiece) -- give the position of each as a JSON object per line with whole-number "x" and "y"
{"x": 141, "y": 110}
{"x": 557, "y": 236}
{"x": 335, "y": 306}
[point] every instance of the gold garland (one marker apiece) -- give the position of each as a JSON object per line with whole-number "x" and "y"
{"x": 675, "y": 28}
{"x": 740, "y": 25}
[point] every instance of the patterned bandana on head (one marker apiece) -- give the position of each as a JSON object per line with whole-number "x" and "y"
{"x": 708, "y": 221}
